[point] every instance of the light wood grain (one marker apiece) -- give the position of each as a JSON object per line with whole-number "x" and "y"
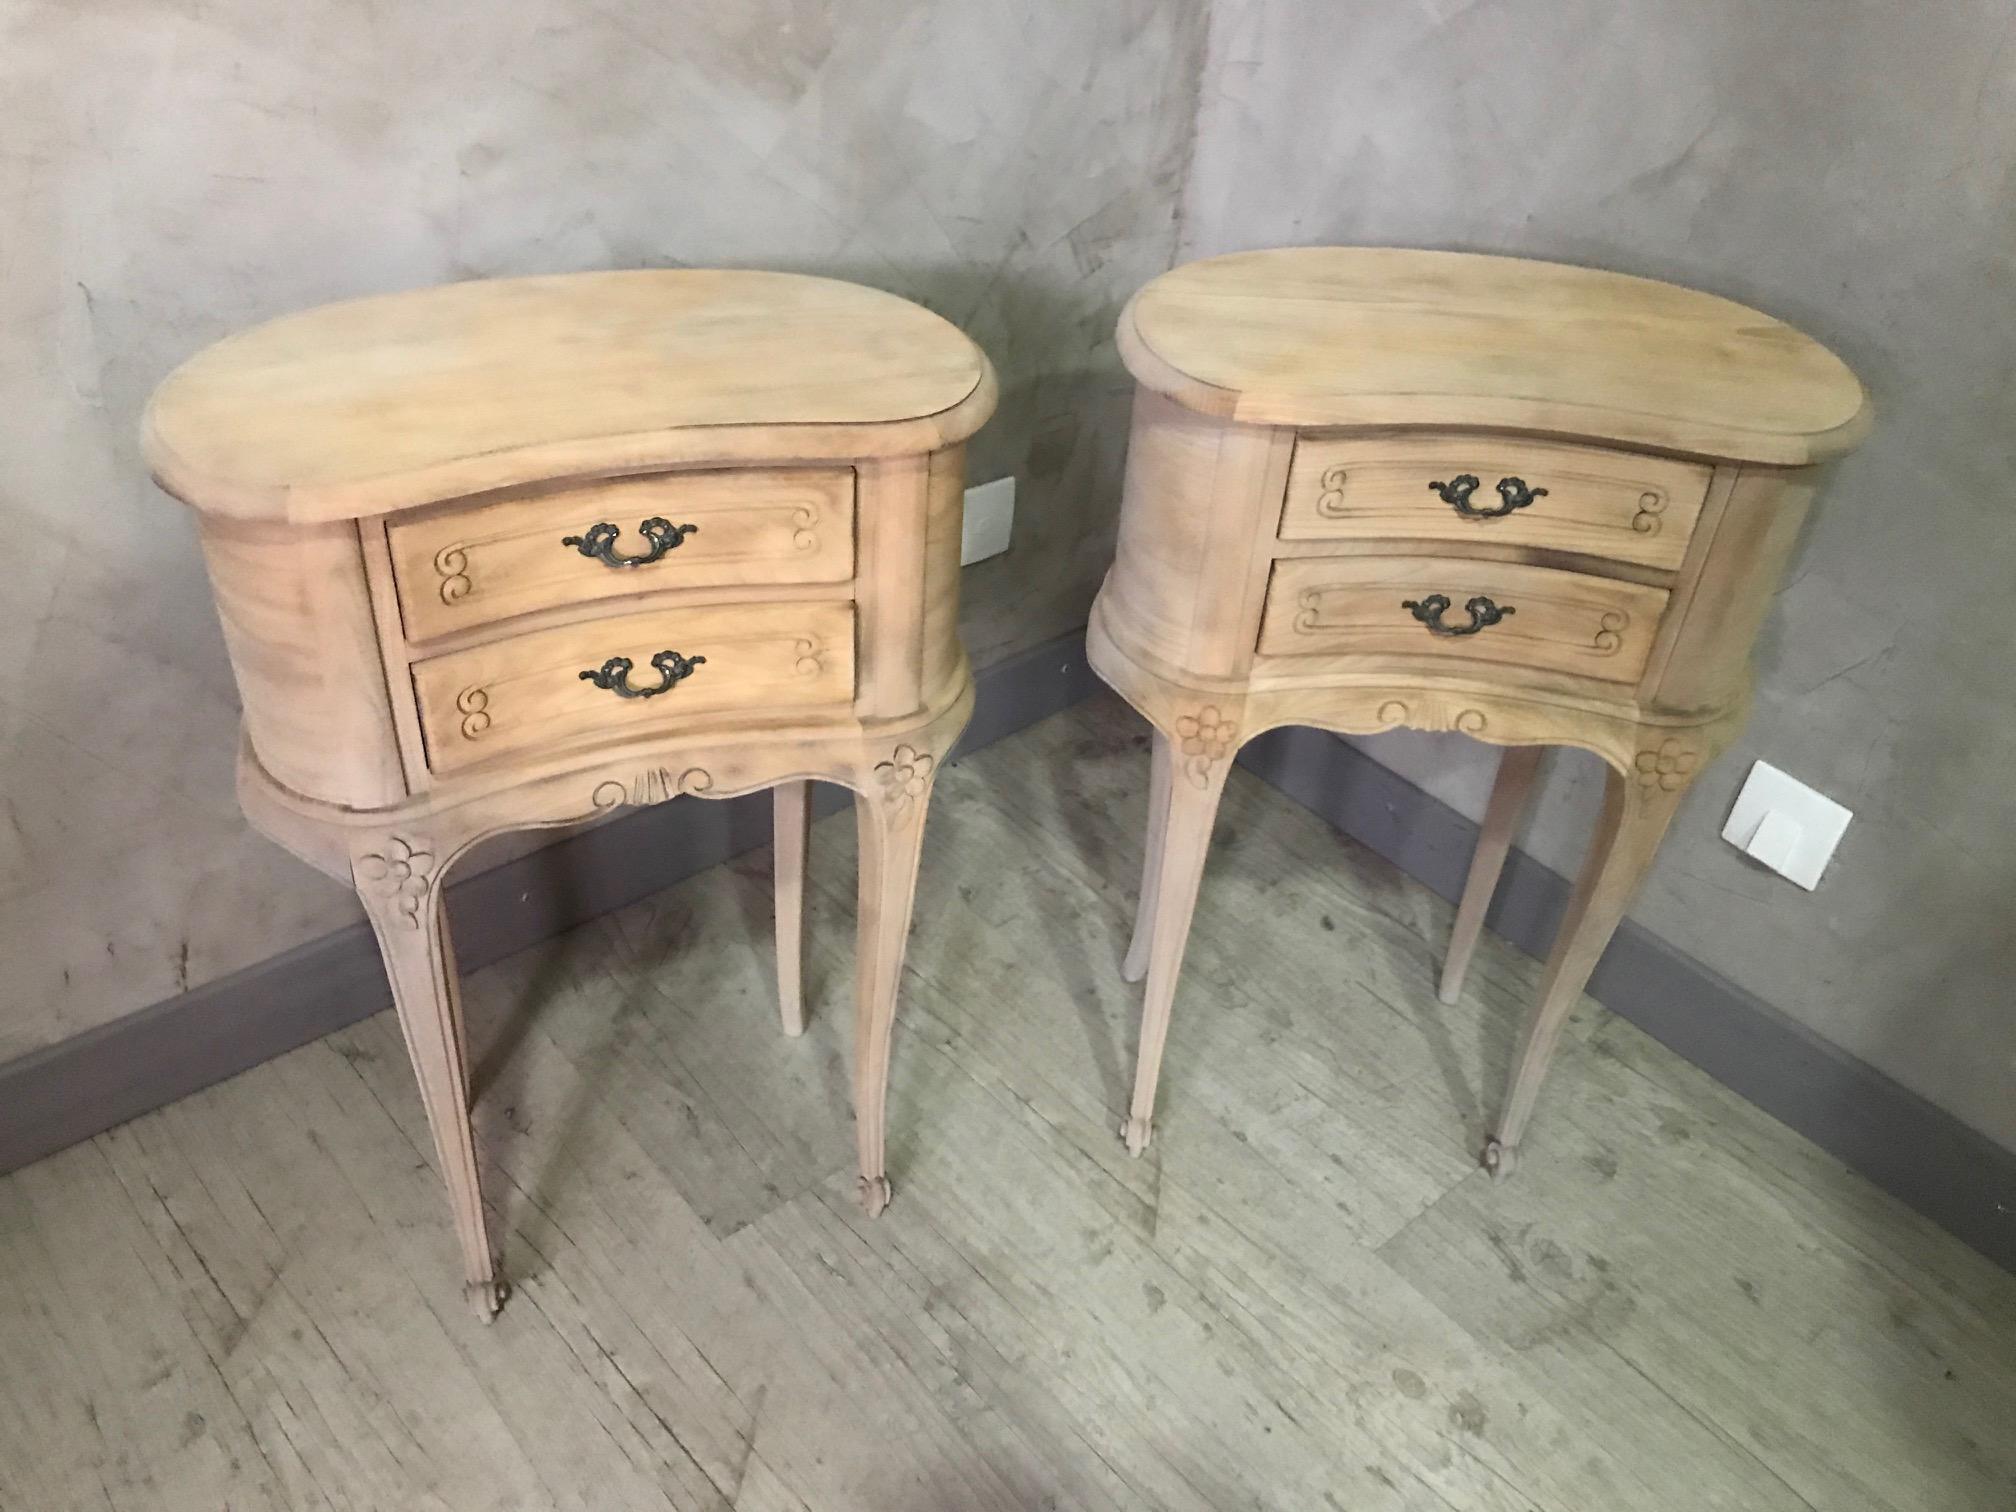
{"x": 460, "y": 568}
{"x": 528, "y": 690}
{"x": 1626, "y": 506}
{"x": 791, "y": 821}
{"x": 1615, "y": 611}
{"x": 378, "y": 404}
{"x": 452, "y": 665}
{"x": 1567, "y": 622}
{"x": 1365, "y": 336}
{"x": 1306, "y": 1287}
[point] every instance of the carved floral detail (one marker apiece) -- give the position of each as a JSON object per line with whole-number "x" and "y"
{"x": 452, "y": 562}
{"x": 652, "y": 785}
{"x": 1669, "y": 768}
{"x": 402, "y": 872}
{"x": 1205, "y": 739}
{"x": 473, "y": 704}
{"x": 905, "y": 776}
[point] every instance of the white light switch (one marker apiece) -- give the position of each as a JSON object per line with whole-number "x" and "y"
{"x": 1786, "y": 825}
{"x": 990, "y": 520}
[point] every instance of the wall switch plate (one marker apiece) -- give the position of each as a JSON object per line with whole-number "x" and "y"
{"x": 990, "y": 520}
{"x": 1785, "y": 824}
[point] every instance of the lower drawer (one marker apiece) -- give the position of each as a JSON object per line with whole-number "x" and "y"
{"x": 552, "y": 686}
{"x": 1457, "y": 609}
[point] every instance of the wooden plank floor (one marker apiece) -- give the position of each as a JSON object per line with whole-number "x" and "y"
{"x": 1305, "y": 1296}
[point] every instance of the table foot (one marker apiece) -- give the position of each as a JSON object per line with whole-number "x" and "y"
{"x": 486, "y": 1297}
{"x": 874, "y": 1193}
{"x": 1137, "y": 1132}
{"x": 1501, "y": 1160}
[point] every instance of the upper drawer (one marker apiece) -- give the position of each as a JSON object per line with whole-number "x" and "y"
{"x": 467, "y": 567}
{"x": 549, "y": 686}
{"x": 1622, "y": 505}
{"x": 1458, "y": 608}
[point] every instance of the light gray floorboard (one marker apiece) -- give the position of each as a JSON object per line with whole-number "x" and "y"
{"x": 1305, "y": 1296}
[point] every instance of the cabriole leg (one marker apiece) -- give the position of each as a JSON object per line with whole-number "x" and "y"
{"x": 1186, "y": 794}
{"x": 889, "y": 815}
{"x": 1517, "y": 767}
{"x": 398, "y": 877}
{"x": 1636, "y": 812}
{"x": 1136, "y": 965}
{"x": 793, "y": 815}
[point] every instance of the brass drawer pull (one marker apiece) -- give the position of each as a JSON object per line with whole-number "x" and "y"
{"x": 1429, "y": 611}
{"x": 600, "y": 541}
{"x": 1512, "y": 491}
{"x": 614, "y": 674}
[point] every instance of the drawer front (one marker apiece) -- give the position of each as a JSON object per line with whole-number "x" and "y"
{"x": 473, "y": 566}
{"x": 551, "y": 686}
{"x": 1620, "y": 505}
{"x": 1461, "y": 610}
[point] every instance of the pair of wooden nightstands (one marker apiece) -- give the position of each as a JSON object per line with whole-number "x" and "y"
{"x": 512, "y": 554}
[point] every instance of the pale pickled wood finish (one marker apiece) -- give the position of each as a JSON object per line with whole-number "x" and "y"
{"x": 527, "y": 690}
{"x": 1632, "y": 590}
{"x": 458, "y": 569}
{"x": 792, "y": 820}
{"x": 362, "y": 408}
{"x": 1371, "y": 336}
{"x": 296, "y": 613}
{"x": 1621, "y": 505}
{"x": 1306, "y": 1290}
{"x": 1554, "y": 621}
{"x": 413, "y": 678}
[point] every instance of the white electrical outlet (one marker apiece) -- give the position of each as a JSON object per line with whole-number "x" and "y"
{"x": 1785, "y": 824}
{"x": 990, "y": 520}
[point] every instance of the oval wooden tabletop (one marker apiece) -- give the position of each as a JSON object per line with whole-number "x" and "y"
{"x": 1344, "y": 336}
{"x": 376, "y": 404}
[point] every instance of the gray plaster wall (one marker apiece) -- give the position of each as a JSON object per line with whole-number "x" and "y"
{"x": 172, "y": 172}
{"x": 1850, "y": 167}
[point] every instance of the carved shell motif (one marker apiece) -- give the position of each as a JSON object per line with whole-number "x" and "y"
{"x": 652, "y": 785}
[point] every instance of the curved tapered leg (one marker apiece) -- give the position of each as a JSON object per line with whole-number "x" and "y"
{"x": 1187, "y": 794}
{"x": 398, "y": 877}
{"x": 889, "y": 815}
{"x": 1136, "y": 965}
{"x": 1636, "y": 812}
{"x": 793, "y": 815}
{"x": 1517, "y": 767}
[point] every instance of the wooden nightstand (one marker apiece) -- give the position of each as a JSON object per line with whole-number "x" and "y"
{"x": 512, "y": 554}
{"x": 1377, "y": 488}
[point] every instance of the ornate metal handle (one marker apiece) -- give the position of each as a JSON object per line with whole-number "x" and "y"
{"x": 614, "y": 674}
{"x": 600, "y": 541}
{"x": 1512, "y": 491}
{"x": 1429, "y": 611}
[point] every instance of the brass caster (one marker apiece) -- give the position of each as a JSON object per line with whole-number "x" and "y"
{"x": 873, "y": 1193}
{"x": 1137, "y": 1132}
{"x": 485, "y": 1298}
{"x": 1500, "y": 1159}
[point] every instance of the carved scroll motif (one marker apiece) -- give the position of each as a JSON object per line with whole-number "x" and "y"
{"x": 473, "y": 704}
{"x": 452, "y": 563}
